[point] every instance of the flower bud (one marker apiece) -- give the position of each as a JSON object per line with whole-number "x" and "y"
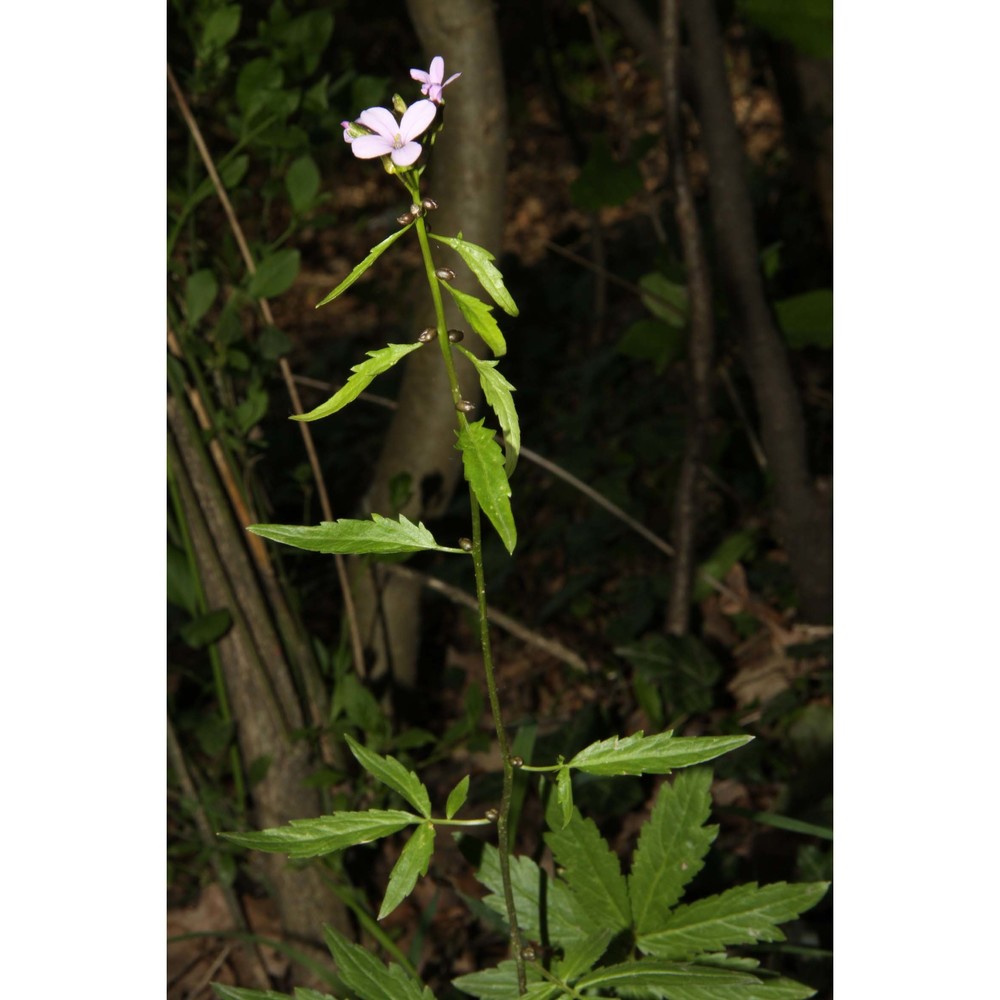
{"x": 398, "y": 104}
{"x": 426, "y": 336}
{"x": 429, "y": 204}
{"x": 445, "y": 273}
{"x": 492, "y": 815}
{"x": 405, "y": 219}
{"x": 465, "y": 544}
{"x": 456, "y": 336}
{"x": 464, "y": 406}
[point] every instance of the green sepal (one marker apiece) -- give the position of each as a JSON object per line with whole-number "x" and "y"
{"x": 480, "y": 317}
{"x": 379, "y": 536}
{"x": 373, "y": 256}
{"x": 497, "y": 391}
{"x": 364, "y": 373}
{"x": 484, "y": 471}
{"x": 311, "y": 838}
{"x": 479, "y": 261}
{"x": 658, "y": 754}
{"x": 413, "y": 862}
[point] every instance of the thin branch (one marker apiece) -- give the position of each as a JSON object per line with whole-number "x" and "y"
{"x": 357, "y": 646}
{"x": 498, "y": 618}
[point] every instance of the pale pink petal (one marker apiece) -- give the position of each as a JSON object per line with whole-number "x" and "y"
{"x": 418, "y": 116}
{"x": 454, "y": 76}
{"x": 437, "y": 70}
{"x": 367, "y": 147}
{"x": 407, "y": 155}
{"x": 420, "y": 75}
{"x": 379, "y": 120}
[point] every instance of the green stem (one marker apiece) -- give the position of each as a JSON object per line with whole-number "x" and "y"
{"x": 504, "y": 834}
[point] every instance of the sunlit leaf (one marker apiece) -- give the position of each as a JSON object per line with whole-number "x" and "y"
{"x": 497, "y": 391}
{"x": 666, "y": 975}
{"x": 484, "y": 471}
{"x": 457, "y": 798}
{"x": 364, "y": 373}
{"x": 658, "y": 754}
{"x": 394, "y": 775}
{"x": 412, "y": 862}
{"x": 373, "y": 256}
{"x": 479, "y": 262}
{"x": 362, "y": 972}
{"x": 480, "y": 317}
{"x": 310, "y": 838}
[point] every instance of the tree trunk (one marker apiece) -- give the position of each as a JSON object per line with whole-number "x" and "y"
{"x": 466, "y": 177}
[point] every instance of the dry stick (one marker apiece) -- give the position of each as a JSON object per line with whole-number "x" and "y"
{"x": 498, "y": 618}
{"x": 189, "y": 789}
{"x": 701, "y": 343}
{"x": 357, "y": 646}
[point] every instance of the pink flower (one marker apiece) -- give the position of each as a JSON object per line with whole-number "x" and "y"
{"x": 433, "y": 81}
{"x": 389, "y": 138}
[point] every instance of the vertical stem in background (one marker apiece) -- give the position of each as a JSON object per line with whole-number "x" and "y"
{"x": 503, "y": 816}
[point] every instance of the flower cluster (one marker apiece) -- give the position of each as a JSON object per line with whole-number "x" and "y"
{"x": 377, "y": 133}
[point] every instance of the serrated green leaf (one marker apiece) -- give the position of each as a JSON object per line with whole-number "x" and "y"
{"x": 777, "y": 988}
{"x": 364, "y": 373}
{"x": 457, "y": 797}
{"x": 366, "y": 975}
{"x": 666, "y": 975}
{"x": 658, "y": 754}
{"x": 199, "y": 294}
{"x": 592, "y": 871}
{"x": 561, "y": 921}
{"x": 310, "y": 838}
{"x": 500, "y": 983}
{"x": 746, "y": 914}
{"x": 484, "y": 471}
{"x": 274, "y": 275}
{"x": 497, "y": 391}
{"x": 413, "y": 862}
{"x": 564, "y": 794}
{"x": 306, "y": 993}
{"x": 391, "y": 773}
{"x": 379, "y": 536}
{"x": 479, "y": 261}
{"x": 241, "y": 993}
{"x": 480, "y": 317}
{"x": 302, "y": 182}
{"x": 373, "y": 256}
{"x": 671, "y": 848}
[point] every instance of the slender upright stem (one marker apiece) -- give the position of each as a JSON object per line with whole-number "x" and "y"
{"x": 503, "y": 833}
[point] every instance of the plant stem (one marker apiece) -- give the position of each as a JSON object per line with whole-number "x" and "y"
{"x": 504, "y": 835}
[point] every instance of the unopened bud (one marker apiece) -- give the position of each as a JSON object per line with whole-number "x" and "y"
{"x": 445, "y": 273}
{"x": 492, "y": 815}
{"x": 465, "y": 544}
{"x": 426, "y": 336}
{"x": 399, "y": 105}
{"x": 456, "y": 336}
{"x": 464, "y": 406}
{"x": 429, "y": 204}
{"x": 517, "y": 761}
{"x": 405, "y": 219}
